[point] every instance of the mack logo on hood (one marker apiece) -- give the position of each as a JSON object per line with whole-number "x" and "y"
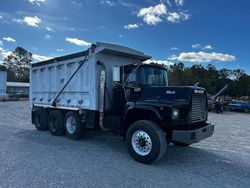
{"x": 170, "y": 92}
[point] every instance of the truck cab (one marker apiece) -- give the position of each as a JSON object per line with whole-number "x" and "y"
{"x": 142, "y": 95}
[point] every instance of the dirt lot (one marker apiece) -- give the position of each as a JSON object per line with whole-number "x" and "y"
{"x": 29, "y": 158}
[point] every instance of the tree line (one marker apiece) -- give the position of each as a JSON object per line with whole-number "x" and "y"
{"x": 210, "y": 78}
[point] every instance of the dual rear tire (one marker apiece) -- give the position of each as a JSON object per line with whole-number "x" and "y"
{"x": 58, "y": 124}
{"x": 55, "y": 121}
{"x": 41, "y": 120}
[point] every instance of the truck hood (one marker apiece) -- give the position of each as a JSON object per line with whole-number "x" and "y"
{"x": 176, "y": 94}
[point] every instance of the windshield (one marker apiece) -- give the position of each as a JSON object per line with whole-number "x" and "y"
{"x": 147, "y": 75}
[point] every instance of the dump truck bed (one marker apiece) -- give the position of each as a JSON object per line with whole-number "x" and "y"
{"x": 47, "y": 78}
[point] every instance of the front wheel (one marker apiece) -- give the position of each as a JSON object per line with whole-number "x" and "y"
{"x": 146, "y": 141}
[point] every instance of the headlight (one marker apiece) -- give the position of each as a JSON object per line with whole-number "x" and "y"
{"x": 175, "y": 113}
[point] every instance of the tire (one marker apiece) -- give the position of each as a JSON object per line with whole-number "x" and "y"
{"x": 180, "y": 144}
{"x": 73, "y": 127}
{"x": 146, "y": 141}
{"x": 56, "y": 122}
{"x": 41, "y": 120}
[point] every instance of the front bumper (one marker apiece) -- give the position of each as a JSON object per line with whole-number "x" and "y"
{"x": 193, "y": 136}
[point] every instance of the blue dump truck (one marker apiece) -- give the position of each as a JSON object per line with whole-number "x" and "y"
{"x": 109, "y": 87}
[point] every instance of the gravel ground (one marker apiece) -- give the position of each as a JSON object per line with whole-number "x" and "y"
{"x": 29, "y": 158}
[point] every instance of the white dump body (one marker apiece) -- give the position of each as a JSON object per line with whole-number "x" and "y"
{"x": 3, "y": 81}
{"x": 49, "y": 77}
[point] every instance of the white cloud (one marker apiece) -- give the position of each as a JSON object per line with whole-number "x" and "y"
{"x": 36, "y": 2}
{"x": 9, "y": 39}
{"x": 4, "y": 53}
{"x": 201, "y": 57}
{"x": 176, "y": 17}
{"x": 179, "y": 2}
{"x": 151, "y": 19}
{"x": 207, "y": 47}
{"x": 155, "y": 14}
{"x": 32, "y": 21}
{"x": 173, "y": 48}
{"x": 48, "y": 37}
{"x": 77, "y": 42}
{"x": 59, "y": 50}
{"x": 20, "y": 21}
{"x": 157, "y": 10}
{"x": 77, "y": 3}
{"x": 49, "y": 29}
{"x": 37, "y": 57}
{"x": 131, "y": 26}
{"x": 108, "y": 3}
{"x": 172, "y": 57}
{"x": 29, "y": 20}
{"x": 161, "y": 62}
{"x": 2, "y": 49}
{"x": 196, "y": 46}
{"x": 152, "y": 15}
{"x": 1, "y": 17}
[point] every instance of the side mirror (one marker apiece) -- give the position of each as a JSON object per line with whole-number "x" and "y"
{"x": 116, "y": 74}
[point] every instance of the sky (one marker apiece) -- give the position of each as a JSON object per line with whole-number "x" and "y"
{"x": 202, "y": 32}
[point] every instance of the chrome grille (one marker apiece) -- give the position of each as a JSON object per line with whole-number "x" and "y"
{"x": 199, "y": 111}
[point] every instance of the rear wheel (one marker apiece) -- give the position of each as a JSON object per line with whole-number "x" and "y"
{"x": 73, "y": 126}
{"x": 41, "y": 120}
{"x": 146, "y": 141}
{"x": 56, "y": 122}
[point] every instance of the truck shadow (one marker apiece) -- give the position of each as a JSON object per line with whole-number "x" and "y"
{"x": 107, "y": 142}
{"x": 179, "y": 156}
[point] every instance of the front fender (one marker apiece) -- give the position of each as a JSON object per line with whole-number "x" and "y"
{"x": 134, "y": 112}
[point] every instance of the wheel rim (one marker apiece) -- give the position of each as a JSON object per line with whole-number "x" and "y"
{"x": 71, "y": 124}
{"x": 141, "y": 142}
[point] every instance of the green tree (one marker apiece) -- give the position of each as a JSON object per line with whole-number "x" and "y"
{"x": 18, "y": 63}
{"x": 176, "y": 74}
{"x": 211, "y": 78}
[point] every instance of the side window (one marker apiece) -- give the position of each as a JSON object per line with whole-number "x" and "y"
{"x": 132, "y": 79}
{"x": 141, "y": 76}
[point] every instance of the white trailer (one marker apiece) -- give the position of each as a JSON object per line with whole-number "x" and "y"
{"x": 108, "y": 87}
